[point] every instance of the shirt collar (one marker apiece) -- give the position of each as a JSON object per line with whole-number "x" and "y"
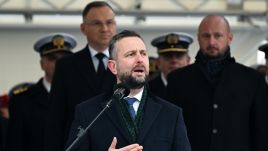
{"x": 138, "y": 96}
{"x": 93, "y": 52}
{"x": 164, "y": 79}
{"x": 46, "y": 84}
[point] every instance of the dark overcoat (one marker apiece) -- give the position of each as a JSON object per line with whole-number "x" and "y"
{"x": 162, "y": 127}
{"x": 229, "y": 116}
{"x": 3, "y": 132}
{"x": 157, "y": 86}
{"x": 74, "y": 82}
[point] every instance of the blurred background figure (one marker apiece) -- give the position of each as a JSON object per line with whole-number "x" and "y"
{"x": 260, "y": 68}
{"x": 4, "y": 100}
{"x": 264, "y": 48}
{"x": 172, "y": 50}
{"x": 17, "y": 89}
{"x": 4, "y": 109}
{"x": 3, "y": 119}
{"x": 153, "y": 67}
{"x": 29, "y": 103}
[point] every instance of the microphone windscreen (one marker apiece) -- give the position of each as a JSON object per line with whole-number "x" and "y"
{"x": 123, "y": 86}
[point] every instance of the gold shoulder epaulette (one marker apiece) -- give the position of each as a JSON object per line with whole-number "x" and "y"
{"x": 20, "y": 90}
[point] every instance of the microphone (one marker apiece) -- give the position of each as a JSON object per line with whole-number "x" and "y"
{"x": 121, "y": 90}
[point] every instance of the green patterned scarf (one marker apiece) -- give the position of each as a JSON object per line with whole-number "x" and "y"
{"x": 133, "y": 125}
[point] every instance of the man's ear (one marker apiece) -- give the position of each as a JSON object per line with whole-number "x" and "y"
{"x": 188, "y": 59}
{"x": 230, "y": 38}
{"x": 42, "y": 64}
{"x": 112, "y": 66}
{"x": 157, "y": 62}
{"x": 82, "y": 28}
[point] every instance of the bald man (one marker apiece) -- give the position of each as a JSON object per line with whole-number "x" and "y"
{"x": 224, "y": 103}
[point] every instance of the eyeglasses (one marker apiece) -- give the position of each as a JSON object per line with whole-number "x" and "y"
{"x": 98, "y": 23}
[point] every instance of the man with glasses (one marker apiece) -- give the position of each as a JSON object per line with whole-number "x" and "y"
{"x": 83, "y": 75}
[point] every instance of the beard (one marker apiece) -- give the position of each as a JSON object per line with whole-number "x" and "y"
{"x": 132, "y": 82}
{"x": 221, "y": 52}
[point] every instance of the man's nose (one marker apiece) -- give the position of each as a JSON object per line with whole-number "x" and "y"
{"x": 212, "y": 40}
{"x": 104, "y": 27}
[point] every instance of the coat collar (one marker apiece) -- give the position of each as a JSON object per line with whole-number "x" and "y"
{"x": 39, "y": 94}
{"x": 151, "y": 111}
{"x": 114, "y": 113}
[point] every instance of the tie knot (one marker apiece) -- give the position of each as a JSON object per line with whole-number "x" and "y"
{"x": 131, "y": 109}
{"x": 130, "y": 101}
{"x": 100, "y": 56}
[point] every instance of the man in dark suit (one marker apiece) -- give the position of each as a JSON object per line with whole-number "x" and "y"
{"x": 172, "y": 49}
{"x": 29, "y": 107}
{"x": 148, "y": 123}
{"x": 264, "y": 48}
{"x": 224, "y": 103}
{"x": 82, "y": 75}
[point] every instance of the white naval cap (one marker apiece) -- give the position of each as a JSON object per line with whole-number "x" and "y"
{"x": 56, "y": 42}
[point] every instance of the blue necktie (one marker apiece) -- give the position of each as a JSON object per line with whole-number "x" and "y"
{"x": 130, "y": 102}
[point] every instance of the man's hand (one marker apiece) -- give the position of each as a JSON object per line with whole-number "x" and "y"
{"x": 132, "y": 147}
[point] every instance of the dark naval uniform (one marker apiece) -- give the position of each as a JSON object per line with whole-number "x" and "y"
{"x": 168, "y": 46}
{"x": 264, "y": 48}
{"x": 27, "y": 117}
{"x": 29, "y": 107}
{"x": 157, "y": 86}
{"x": 4, "y": 100}
{"x": 3, "y": 129}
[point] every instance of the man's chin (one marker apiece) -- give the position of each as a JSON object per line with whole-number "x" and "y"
{"x": 134, "y": 81}
{"x": 213, "y": 55}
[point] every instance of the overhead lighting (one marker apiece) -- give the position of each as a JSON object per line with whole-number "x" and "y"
{"x": 57, "y": 19}
{"x": 12, "y": 19}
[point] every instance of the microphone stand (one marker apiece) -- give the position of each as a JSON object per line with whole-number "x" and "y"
{"x": 82, "y": 131}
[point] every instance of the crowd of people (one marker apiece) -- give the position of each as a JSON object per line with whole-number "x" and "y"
{"x": 213, "y": 104}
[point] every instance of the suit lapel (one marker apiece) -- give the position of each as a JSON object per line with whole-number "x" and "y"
{"x": 114, "y": 114}
{"x": 151, "y": 111}
{"x": 85, "y": 66}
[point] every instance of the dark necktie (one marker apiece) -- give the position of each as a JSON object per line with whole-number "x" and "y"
{"x": 130, "y": 102}
{"x": 101, "y": 68}
{"x": 100, "y": 72}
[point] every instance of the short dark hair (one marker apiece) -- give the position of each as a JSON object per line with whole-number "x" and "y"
{"x": 117, "y": 37}
{"x": 95, "y": 4}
